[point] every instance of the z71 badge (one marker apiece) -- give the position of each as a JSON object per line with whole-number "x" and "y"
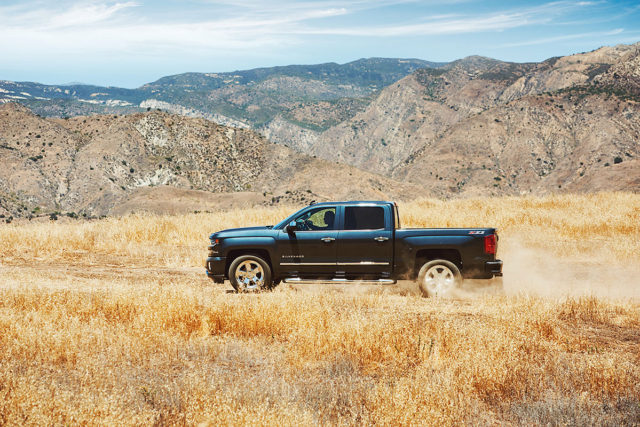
{"x": 476, "y": 232}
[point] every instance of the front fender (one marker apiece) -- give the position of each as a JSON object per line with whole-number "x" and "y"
{"x": 231, "y": 244}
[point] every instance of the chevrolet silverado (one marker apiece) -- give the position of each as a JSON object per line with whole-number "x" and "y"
{"x": 352, "y": 241}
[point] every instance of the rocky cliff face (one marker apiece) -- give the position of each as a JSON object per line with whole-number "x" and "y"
{"x": 94, "y": 165}
{"x": 537, "y": 144}
{"x": 485, "y": 126}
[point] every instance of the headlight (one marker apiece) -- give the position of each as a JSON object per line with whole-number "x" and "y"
{"x": 213, "y": 247}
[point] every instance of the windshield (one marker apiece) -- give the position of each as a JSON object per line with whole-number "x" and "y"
{"x": 286, "y": 221}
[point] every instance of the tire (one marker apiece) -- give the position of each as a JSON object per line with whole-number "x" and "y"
{"x": 439, "y": 278}
{"x": 250, "y": 273}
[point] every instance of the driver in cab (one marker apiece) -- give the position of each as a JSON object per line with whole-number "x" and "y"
{"x": 318, "y": 220}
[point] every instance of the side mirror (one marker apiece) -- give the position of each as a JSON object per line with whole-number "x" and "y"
{"x": 292, "y": 227}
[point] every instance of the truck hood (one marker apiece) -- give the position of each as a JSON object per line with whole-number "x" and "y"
{"x": 263, "y": 231}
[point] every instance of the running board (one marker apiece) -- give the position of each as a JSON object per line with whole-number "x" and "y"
{"x": 334, "y": 281}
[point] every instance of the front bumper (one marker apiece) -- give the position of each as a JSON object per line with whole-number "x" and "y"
{"x": 215, "y": 268}
{"x": 493, "y": 267}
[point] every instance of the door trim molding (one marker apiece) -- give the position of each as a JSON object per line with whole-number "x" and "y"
{"x": 364, "y": 263}
{"x": 308, "y": 263}
{"x": 333, "y": 281}
{"x": 336, "y": 263}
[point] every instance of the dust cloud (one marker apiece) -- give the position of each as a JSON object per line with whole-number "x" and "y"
{"x": 529, "y": 271}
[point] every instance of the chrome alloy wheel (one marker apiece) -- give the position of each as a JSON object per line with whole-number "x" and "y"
{"x": 439, "y": 280}
{"x": 250, "y": 275}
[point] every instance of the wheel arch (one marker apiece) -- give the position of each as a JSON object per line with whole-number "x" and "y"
{"x": 425, "y": 255}
{"x": 235, "y": 253}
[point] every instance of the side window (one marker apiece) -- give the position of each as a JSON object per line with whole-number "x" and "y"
{"x": 363, "y": 218}
{"x": 317, "y": 219}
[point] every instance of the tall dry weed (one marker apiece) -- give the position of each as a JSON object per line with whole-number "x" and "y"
{"x": 599, "y": 226}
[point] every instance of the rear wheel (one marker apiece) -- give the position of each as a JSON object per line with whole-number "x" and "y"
{"x": 250, "y": 273}
{"x": 439, "y": 278}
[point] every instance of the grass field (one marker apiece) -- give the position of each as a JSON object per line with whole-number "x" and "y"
{"x": 113, "y": 321}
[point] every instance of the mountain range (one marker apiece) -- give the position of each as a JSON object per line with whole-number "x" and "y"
{"x": 481, "y": 126}
{"x": 248, "y": 98}
{"x": 403, "y": 127}
{"x": 114, "y": 164}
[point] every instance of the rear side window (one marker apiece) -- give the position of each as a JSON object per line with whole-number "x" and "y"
{"x": 363, "y": 218}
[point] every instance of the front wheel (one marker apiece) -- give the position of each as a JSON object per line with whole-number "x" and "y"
{"x": 250, "y": 273}
{"x": 439, "y": 278}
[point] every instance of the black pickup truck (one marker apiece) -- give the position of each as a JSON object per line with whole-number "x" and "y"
{"x": 352, "y": 241}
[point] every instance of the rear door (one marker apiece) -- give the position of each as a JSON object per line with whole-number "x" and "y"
{"x": 365, "y": 241}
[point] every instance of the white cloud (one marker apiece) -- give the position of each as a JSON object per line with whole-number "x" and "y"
{"x": 107, "y": 26}
{"x": 93, "y": 28}
{"x": 86, "y": 15}
{"x": 29, "y": 16}
{"x": 547, "y": 40}
{"x": 460, "y": 23}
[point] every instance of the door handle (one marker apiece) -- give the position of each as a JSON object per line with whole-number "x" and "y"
{"x": 380, "y": 239}
{"x": 328, "y": 239}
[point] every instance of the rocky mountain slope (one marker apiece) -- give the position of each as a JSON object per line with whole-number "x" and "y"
{"x": 537, "y": 144}
{"x": 483, "y": 126}
{"x": 107, "y": 164}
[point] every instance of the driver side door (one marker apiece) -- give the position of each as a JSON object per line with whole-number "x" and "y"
{"x": 311, "y": 250}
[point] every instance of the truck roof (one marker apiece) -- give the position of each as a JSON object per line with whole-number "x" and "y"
{"x": 355, "y": 202}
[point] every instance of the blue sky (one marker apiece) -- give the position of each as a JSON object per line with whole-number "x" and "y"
{"x": 128, "y": 43}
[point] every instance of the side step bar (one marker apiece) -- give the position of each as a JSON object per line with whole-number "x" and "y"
{"x": 334, "y": 281}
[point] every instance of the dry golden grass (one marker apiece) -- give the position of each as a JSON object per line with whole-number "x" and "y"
{"x": 113, "y": 321}
{"x": 599, "y": 226}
